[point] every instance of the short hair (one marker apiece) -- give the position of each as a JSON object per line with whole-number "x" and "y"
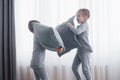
{"x": 30, "y": 27}
{"x": 85, "y": 12}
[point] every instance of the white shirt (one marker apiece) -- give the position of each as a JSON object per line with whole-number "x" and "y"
{"x": 75, "y": 22}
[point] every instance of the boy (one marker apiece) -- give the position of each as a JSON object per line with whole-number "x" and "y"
{"x": 44, "y": 38}
{"x": 83, "y": 52}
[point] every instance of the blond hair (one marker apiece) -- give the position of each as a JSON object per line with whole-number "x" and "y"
{"x": 85, "y": 12}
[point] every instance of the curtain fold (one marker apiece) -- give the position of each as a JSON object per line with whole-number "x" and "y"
{"x": 7, "y": 41}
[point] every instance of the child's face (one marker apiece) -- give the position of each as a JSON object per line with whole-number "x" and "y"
{"x": 81, "y": 18}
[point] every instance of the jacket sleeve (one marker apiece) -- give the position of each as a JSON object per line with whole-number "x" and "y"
{"x": 81, "y": 29}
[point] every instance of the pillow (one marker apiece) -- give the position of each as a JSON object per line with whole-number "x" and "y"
{"x": 47, "y": 36}
{"x": 68, "y": 37}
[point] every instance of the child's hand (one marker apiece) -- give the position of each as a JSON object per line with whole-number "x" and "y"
{"x": 68, "y": 24}
{"x": 59, "y": 50}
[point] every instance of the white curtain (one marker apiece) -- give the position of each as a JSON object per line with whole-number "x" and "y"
{"x": 104, "y": 34}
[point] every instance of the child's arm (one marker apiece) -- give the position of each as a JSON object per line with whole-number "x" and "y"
{"x": 77, "y": 31}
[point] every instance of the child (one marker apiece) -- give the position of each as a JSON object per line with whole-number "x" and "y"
{"x": 44, "y": 38}
{"x": 83, "y": 52}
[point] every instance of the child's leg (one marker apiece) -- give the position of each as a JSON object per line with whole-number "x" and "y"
{"x": 40, "y": 72}
{"x": 37, "y": 64}
{"x": 85, "y": 58}
{"x": 75, "y": 66}
{"x": 37, "y": 77}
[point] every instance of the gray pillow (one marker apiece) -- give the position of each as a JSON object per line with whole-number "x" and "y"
{"x": 47, "y": 36}
{"x": 68, "y": 37}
